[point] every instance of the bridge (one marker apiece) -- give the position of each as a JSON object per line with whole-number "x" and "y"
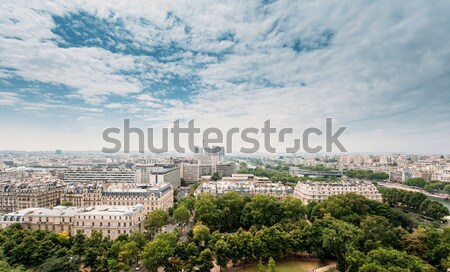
{"x": 308, "y": 173}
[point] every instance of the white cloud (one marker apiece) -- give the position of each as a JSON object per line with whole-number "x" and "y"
{"x": 387, "y": 65}
{"x": 8, "y": 98}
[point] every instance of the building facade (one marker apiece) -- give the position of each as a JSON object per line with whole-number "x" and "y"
{"x": 19, "y": 196}
{"x": 112, "y": 221}
{"x": 165, "y": 175}
{"x": 320, "y": 191}
{"x": 250, "y": 188}
{"x": 151, "y": 197}
{"x": 89, "y": 176}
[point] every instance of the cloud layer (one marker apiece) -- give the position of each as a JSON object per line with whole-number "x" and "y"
{"x": 76, "y": 67}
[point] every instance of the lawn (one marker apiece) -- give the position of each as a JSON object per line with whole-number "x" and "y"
{"x": 291, "y": 266}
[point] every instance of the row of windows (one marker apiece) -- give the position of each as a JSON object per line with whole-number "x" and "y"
{"x": 100, "y": 224}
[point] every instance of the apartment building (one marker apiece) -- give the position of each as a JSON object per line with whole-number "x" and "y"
{"x": 112, "y": 221}
{"x": 17, "y": 217}
{"x": 152, "y": 198}
{"x": 89, "y": 176}
{"x": 19, "y": 196}
{"x": 218, "y": 188}
{"x": 83, "y": 195}
{"x": 57, "y": 219}
{"x": 310, "y": 191}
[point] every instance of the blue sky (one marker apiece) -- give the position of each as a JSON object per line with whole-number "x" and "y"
{"x": 68, "y": 70}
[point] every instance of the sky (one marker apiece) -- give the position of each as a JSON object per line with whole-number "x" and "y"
{"x": 70, "y": 69}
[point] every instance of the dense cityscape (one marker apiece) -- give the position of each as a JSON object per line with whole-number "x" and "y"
{"x": 78, "y": 210}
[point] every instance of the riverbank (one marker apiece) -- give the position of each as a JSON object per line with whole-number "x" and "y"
{"x": 407, "y": 188}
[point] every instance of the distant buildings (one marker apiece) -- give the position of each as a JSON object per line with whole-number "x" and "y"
{"x": 320, "y": 191}
{"x": 12, "y": 174}
{"x": 88, "y": 176}
{"x": 245, "y": 184}
{"x": 165, "y": 175}
{"x": 443, "y": 175}
{"x": 300, "y": 172}
{"x": 112, "y": 221}
{"x": 194, "y": 172}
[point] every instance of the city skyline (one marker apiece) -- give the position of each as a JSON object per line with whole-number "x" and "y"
{"x": 381, "y": 69}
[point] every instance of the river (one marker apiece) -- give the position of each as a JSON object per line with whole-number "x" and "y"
{"x": 444, "y": 202}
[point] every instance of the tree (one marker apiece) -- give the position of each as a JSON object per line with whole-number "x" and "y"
{"x": 206, "y": 210}
{"x": 416, "y": 182}
{"x": 155, "y": 221}
{"x": 128, "y": 253}
{"x": 201, "y": 233}
{"x": 78, "y": 245}
{"x": 230, "y": 204}
{"x": 293, "y": 209}
{"x": 57, "y": 264}
{"x": 269, "y": 241}
{"x": 340, "y": 238}
{"x": 94, "y": 250}
{"x": 181, "y": 216}
{"x": 390, "y": 260}
{"x": 271, "y": 265}
{"x": 156, "y": 254}
{"x": 378, "y": 232}
{"x": 188, "y": 202}
{"x": 139, "y": 238}
{"x": 261, "y": 267}
{"x": 221, "y": 252}
{"x": 436, "y": 210}
{"x": 262, "y": 211}
{"x": 215, "y": 176}
{"x": 204, "y": 262}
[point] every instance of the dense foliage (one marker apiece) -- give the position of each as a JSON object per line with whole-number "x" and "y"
{"x": 361, "y": 234}
{"x": 366, "y": 174}
{"x": 26, "y": 250}
{"x": 431, "y": 186}
{"x": 280, "y": 176}
{"x": 415, "y": 201}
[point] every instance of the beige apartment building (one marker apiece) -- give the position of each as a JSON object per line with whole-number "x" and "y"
{"x": 245, "y": 187}
{"x": 310, "y": 191}
{"x": 19, "y": 196}
{"x": 83, "y": 195}
{"x": 152, "y": 197}
{"x": 112, "y": 221}
{"x": 57, "y": 219}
